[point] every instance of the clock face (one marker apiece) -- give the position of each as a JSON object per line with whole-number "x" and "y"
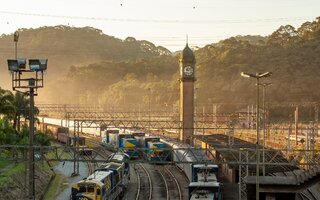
{"x": 188, "y": 70}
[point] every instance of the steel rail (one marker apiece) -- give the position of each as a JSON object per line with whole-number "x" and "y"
{"x": 165, "y": 184}
{"x": 176, "y": 182}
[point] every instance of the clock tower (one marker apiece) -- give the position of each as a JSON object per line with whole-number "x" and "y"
{"x": 187, "y": 78}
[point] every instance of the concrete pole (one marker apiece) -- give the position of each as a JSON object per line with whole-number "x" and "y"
{"x": 264, "y": 129}
{"x": 31, "y": 150}
{"x": 316, "y": 119}
{"x": 296, "y": 116}
{"x": 307, "y": 147}
{"x": 258, "y": 141}
{"x": 248, "y": 118}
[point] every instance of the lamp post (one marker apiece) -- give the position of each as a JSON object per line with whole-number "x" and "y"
{"x": 257, "y": 76}
{"x": 264, "y": 85}
{"x": 15, "y": 39}
{"x": 28, "y": 85}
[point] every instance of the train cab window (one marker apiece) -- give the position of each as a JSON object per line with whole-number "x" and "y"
{"x": 98, "y": 192}
{"x": 82, "y": 189}
{"x": 74, "y": 191}
{"x": 90, "y": 189}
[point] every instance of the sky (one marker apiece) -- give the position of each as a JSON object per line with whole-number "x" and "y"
{"x": 163, "y": 22}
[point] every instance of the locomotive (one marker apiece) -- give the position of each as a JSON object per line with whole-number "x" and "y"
{"x": 108, "y": 182}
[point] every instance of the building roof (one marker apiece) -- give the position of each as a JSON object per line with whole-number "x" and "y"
{"x": 274, "y": 156}
{"x": 187, "y": 54}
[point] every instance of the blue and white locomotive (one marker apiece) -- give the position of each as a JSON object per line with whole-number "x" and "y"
{"x": 204, "y": 184}
{"x": 114, "y": 140}
{"x": 155, "y": 149}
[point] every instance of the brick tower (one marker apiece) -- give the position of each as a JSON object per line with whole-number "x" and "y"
{"x": 187, "y": 63}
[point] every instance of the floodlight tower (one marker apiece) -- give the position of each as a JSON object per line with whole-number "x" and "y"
{"x": 257, "y": 76}
{"x": 29, "y": 86}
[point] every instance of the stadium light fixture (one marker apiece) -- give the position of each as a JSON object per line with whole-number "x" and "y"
{"x": 257, "y": 76}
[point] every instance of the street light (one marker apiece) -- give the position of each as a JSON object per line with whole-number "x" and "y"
{"x": 264, "y": 85}
{"x": 29, "y": 86}
{"x": 257, "y": 76}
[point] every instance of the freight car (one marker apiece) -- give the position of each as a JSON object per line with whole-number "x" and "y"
{"x": 62, "y": 135}
{"x": 69, "y": 140}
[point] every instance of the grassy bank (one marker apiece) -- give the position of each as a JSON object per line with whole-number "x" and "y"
{"x": 4, "y": 163}
{"x": 56, "y": 186}
{"x": 12, "y": 181}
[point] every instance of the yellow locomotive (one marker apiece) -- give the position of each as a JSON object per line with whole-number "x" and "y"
{"x": 106, "y": 183}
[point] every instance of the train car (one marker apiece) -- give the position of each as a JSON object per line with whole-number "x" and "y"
{"x": 204, "y": 173}
{"x": 63, "y": 138}
{"x": 204, "y": 184}
{"x": 106, "y": 133}
{"x": 204, "y": 191}
{"x": 139, "y": 136}
{"x": 127, "y": 142}
{"x": 155, "y": 149}
{"x": 108, "y": 182}
{"x": 122, "y": 158}
{"x": 130, "y": 146}
{"x": 69, "y": 140}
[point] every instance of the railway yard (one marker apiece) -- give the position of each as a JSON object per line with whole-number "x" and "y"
{"x": 161, "y": 168}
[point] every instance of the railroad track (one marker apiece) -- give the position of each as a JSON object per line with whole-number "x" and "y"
{"x": 144, "y": 188}
{"x": 95, "y": 155}
{"x": 172, "y": 186}
{"x": 91, "y": 166}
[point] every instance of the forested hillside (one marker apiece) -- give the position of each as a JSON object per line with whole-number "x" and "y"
{"x": 65, "y": 46}
{"x": 134, "y": 72}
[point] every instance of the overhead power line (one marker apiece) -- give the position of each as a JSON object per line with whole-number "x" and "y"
{"x": 216, "y": 21}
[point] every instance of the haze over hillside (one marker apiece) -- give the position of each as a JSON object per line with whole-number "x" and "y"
{"x": 66, "y": 46}
{"x": 115, "y": 72}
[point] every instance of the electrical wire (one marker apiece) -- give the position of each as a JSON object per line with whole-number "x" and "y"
{"x": 224, "y": 21}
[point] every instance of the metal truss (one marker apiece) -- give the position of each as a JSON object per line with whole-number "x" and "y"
{"x": 239, "y": 156}
{"x": 74, "y": 111}
{"x": 243, "y": 173}
{"x": 60, "y": 110}
{"x": 145, "y": 124}
{"x": 120, "y": 115}
{"x": 292, "y": 104}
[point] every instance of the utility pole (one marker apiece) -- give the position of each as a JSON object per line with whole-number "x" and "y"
{"x": 31, "y": 138}
{"x": 264, "y": 85}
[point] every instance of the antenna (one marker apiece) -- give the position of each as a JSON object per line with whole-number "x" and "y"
{"x": 187, "y": 39}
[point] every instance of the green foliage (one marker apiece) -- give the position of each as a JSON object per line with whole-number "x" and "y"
{"x": 42, "y": 139}
{"x": 7, "y": 133}
{"x": 6, "y": 99}
{"x": 9, "y": 136}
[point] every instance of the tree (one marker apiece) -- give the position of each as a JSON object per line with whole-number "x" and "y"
{"x": 6, "y": 106}
{"x": 21, "y": 104}
{"x": 284, "y": 35}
